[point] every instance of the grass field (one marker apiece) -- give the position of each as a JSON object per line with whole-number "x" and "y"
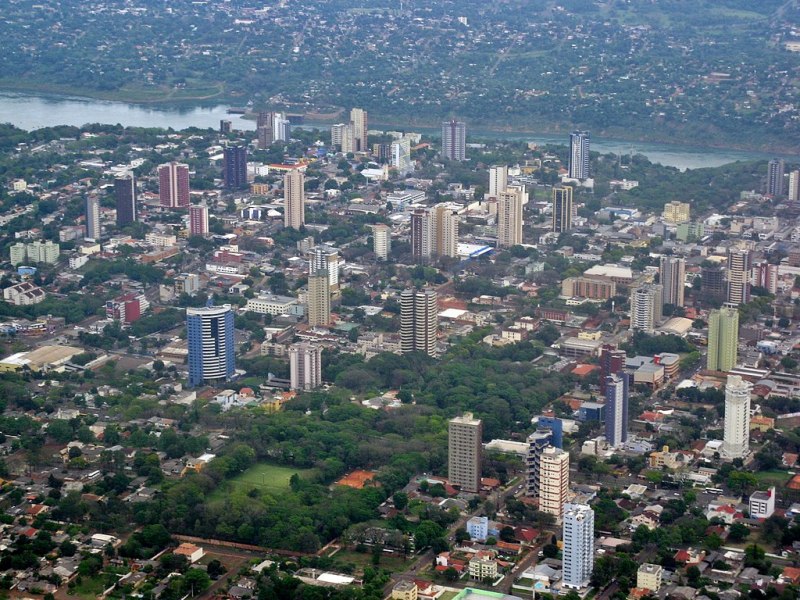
{"x": 263, "y": 476}
{"x": 778, "y": 478}
{"x": 90, "y": 587}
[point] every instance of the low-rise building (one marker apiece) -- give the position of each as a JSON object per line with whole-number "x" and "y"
{"x": 483, "y": 566}
{"x": 762, "y": 504}
{"x": 649, "y": 577}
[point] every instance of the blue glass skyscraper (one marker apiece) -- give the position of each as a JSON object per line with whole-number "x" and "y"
{"x": 209, "y": 331}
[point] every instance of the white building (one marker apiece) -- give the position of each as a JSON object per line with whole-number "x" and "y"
{"x": 762, "y": 504}
{"x": 498, "y": 180}
{"x": 401, "y": 156}
{"x": 736, "y": 437}
{"x": 270, "y": 304}
{"x": 478, "y": 528}
{"x": 381, "y": 241}
{"x": 305, "y": 366}
{"x": 646, "y": 304}
{"x": 578, "y": 553}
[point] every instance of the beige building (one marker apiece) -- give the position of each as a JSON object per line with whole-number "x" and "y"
{"x": 553, "y": 480}
{"x": 676, "y": 212}
{"x": 587, "y": 287}
{"x": 649, "y": 577}
{"x": 465, "y": 452}
{"x": 294, "y": 199}
{"x": 358, "y": 120}
{"x": 483, "y": 566}
{"x": 319, "y": 300}
{"x": 405, "y": 590}
{"x": 509, "y": 218}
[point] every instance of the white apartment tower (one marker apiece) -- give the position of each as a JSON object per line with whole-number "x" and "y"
{"x": 646, "y": 304}
{"x": 294, "y": 199}
{"x": 672, "y": 271}
{"x": 739, "y": 265}
{"x": 498, "y": 180}
{"x": 305, "y": 366}
{"x": 419, "y": 321}
{"x": 381, "y": 241}
{"x": 509, "y": 219}
{"x": 736, "y": 440}
{"x": 553, "y": 480}
{"x": 578, "y": 536}
{"x": 464, "y": 452}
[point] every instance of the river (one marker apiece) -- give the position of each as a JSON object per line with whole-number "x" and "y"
{"x": 33, "y": 111}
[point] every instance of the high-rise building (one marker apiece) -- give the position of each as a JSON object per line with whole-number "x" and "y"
{"x": 92, "y": 216}
{"x": 775, "y": 173}
{"x": 265, "y": 129}
{"x": 381, "y": 241}
{"x": 125, "y": 196}
{"x": 234, "y": 171}
{"x": 553, "y": 425}
{"x": 712, "y": 281}
{"x": 616, "y": 410}
{"x": 198, "y": 219}
{"x": 305, "y": 366}
{"x": 464, "y": 452}
{"x": 422, "y": 234}
{"x": 509, "y": 219}
{"x": 325, "y": 258}
{"x": 723, "y": 339}
{"x": 498, "y": 180}
{"x": 676, "y": 212}
{"x": 553, "y": 480}
{"x": 445, "y": 231}
{"x": 401, "y": 156}
{"x": 454, "y": 140}
{"x": 319, "y": 299}
{"x": 578, "y": 538}
{"x": 562, "y": 209}
{"x": 537, "y": 442}
{"x": 739, "y": 265}
{"x": 209, "y": 332}
{"x": 612, "y": 362}
{"x": 579, "y": 155}
{"x": 343, "y": 137}
{"x": 281, "y": 128}
{"x": 358, "y": 118}
{"x": 736, "y": 440}
{"x": 646, "y": 305}
{"x": 672, "y": 272}
{"x": 35, "y": 252}
{"x": 794, "y": 186}
{"x": 766, "y": 275}
{"x": 224, "y": 126}
{"x": 173, "y": 185}
{"x": 294, "y": 199}
{"x": 419, "y": 321}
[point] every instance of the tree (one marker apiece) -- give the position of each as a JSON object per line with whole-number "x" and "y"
{"x": 450, "y": 574}
{"x": 215, "y": 569}
{"x": 738, "y": 532}
{"x": 195, "y": 581}
{"x": 400, "y": 500}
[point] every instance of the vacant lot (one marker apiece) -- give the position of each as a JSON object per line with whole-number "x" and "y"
{"x": 266, "y": 477}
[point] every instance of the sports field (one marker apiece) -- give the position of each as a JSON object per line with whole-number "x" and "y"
{"x": 266, "y": 477}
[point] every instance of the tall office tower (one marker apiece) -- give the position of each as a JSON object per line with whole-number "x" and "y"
{"x": 537, "y": 442}
{"x": 281, "y": 128}
{"x": 319, "y": 299}
{"x": 358, "y": 118}
{"x": 173, "y": 185}
{"x": 235, "y": 167}
{"x": 676, "y": 212}
{"x": 325, "y": 258}
{"x": 224, "y": 127}
{"x": 419, "y": 321}
{"x": 739, "y": 265}
{"x": 672, "y": 271}
{"x": 509, "y": 219}
{"x": 498, "y": 180}
{"x": 198, "y": 219}
{"x": 555, "y": 426}
{"x": 646, "y": 307}
{"x": 464, "y": 452}
{"x": 553, "y": 480}
{"x": 294, "y": 199}
{"x": 209, "y": 332}
{"x": 736, "y": 436}
{"x": 775, "y": 173}
{"x": 305, "y": 366}
{"x": 265, "y": 129}
{"x": 723, "y": 339}
{"x": 401, "y": 156}
{"x": 92, "y": 216}
{"x": 454, "y": 140}
{"x": 445, "y": 231}
{"x": 381, "y": 241}
{"x": 125, "y": 196}
{"x": 562, "y": 209}
{"x": 612, "y": 362}
{"x": 794, "y": 186}
{"x": 579, "y": 155}
{"x": 423, "y": 232}
{"x": 712, "y": 280}
{"x": 578, "y": 537}
{"x": 616, "y": 410}
{"x": 766, "y": 275}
